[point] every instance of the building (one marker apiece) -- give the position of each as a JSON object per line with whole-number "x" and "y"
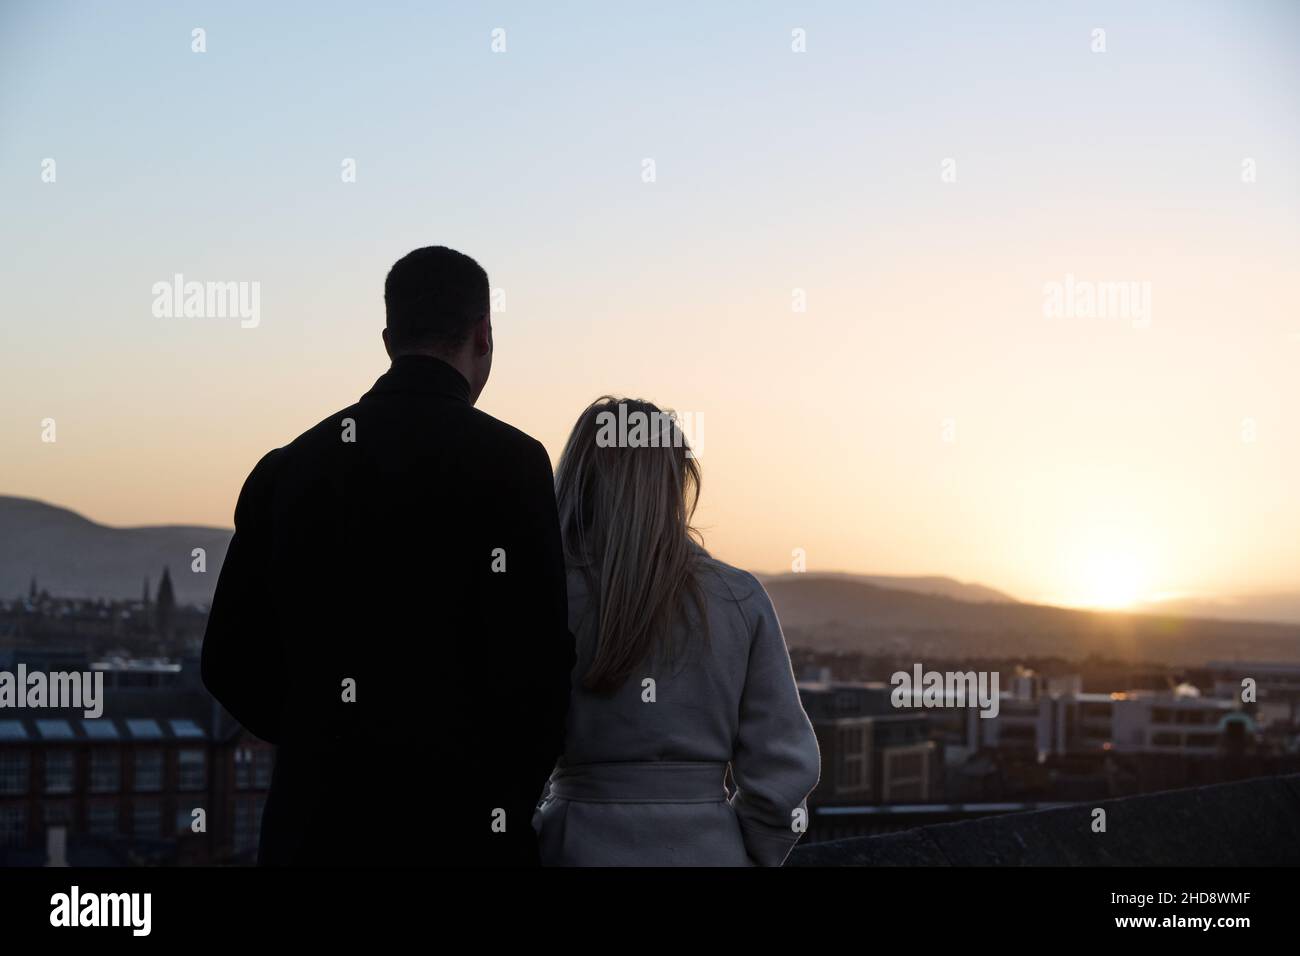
{"x": 130, "y": 785}
{"x": 1275, "y": 687}
{"x": 871, "y": 752}
{"x": 1044, "y": 721}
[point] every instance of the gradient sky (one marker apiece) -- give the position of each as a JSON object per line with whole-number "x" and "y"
{"x": 1092, "y": 460}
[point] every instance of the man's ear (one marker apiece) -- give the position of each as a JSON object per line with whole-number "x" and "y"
{"x": 483, "y": 336}
{"x": 388, "y": 346}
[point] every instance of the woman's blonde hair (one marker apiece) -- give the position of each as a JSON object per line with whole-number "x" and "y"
{"x": 626, "y": 498}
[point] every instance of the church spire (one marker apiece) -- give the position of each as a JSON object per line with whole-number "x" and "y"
{"x": 166, "y": 603}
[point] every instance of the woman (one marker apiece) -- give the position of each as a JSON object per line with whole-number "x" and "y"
{"x": 682, "y": 671}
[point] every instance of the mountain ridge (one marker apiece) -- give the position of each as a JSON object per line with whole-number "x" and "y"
{"x": 836, "y": 615}
{"x": 936, "y": 584}
{"x": 71, "y": 555}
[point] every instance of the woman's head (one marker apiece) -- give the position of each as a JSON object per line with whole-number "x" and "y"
{"x": 627, "y": 487}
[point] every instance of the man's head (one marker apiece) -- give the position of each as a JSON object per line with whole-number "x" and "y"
{"x": 437, "y": 302}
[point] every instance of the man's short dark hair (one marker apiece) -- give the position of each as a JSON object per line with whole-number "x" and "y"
{"x": 433, "y": 297}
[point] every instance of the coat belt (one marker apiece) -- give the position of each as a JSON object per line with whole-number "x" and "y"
{"x": 651, "y": 781}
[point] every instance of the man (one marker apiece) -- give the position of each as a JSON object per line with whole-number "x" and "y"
{"x": 392, "y": 609}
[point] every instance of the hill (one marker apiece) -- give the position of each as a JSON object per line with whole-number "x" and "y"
{"x": 934, "y": 584}
{"x": 830, "y": 613}
{"x": 72, "y": 556}
{"x": 69, "y": 555}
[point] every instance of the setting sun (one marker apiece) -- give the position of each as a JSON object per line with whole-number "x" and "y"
{"x": 1110, "y": 581}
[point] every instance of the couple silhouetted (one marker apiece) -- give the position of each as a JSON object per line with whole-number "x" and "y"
{"x": 438, "y": 636}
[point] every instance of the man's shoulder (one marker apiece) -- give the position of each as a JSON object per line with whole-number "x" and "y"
{"x": 332, "y": 430}
{"x": 502, "y": 434}
{"x": 475, "y": 432}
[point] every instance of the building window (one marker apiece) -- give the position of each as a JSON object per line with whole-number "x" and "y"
{"x": 243, "y": 768}
{"x": 59, "y": 771}
{"x": 262, "y": 763}
{"x": 253, "y": 769}
{"x": 13, "y": 825}
{"x": 105, "y": 771}
{"x": 192, "y": 772}
{"x": 14, "y": 770}
{"x": 907, "y": 765}
{"x": 852, "y": 773}
{"x": 146, "y": 820}
{"x": 148, "y": 771}
{"x": 102, "y": 819}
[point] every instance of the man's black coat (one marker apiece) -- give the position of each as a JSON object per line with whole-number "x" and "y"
{"x": 392, "y": 615}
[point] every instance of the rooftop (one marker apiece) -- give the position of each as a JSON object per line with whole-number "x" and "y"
{"x": 1245, "y": 823}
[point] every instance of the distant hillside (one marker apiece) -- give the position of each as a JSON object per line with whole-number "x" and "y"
{"x": 1248, "y": 607}
{"x": 74, "y": 557}
{"x": 830, "y": 613}
{"x": 940, "y": 586}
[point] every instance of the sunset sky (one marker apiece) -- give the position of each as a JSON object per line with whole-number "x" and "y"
{"x": 923, "y": 415}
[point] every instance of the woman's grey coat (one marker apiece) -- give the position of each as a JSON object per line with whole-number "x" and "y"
{"x": 641, "y": 782}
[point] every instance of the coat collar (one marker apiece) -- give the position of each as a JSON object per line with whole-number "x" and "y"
{"x": 425, "y": 374}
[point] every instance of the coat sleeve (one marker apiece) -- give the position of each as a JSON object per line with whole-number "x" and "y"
{"x": 243, "y": 661}
{"x": 544, "y": 603}
{"x": 527, "y": 626}
{"x": 776, "y": 763}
